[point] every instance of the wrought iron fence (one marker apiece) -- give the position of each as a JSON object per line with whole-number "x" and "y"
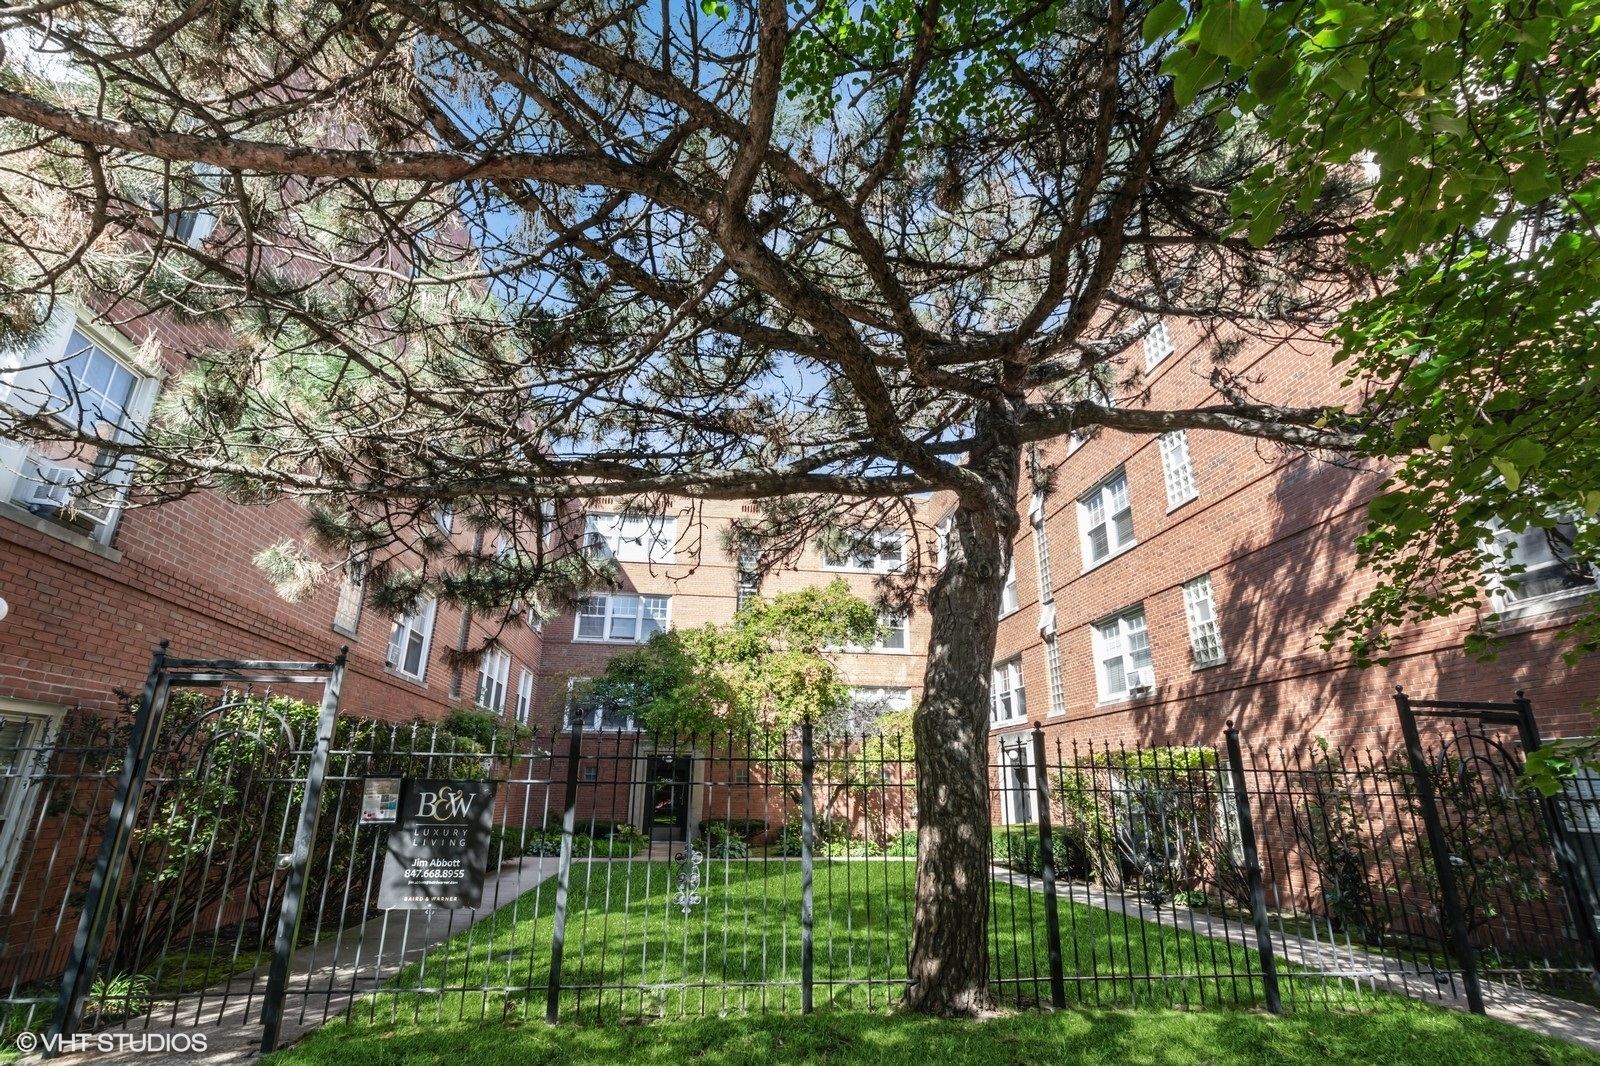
{"x": 637, "y": 874}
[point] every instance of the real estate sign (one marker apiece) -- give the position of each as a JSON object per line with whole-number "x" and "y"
{"x": 438, "y": 845}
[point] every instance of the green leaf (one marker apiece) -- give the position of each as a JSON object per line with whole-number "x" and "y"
{"x": 1163, "y": 19}
{"x": 1229, "y": 28}
{"x": 1591, "y": 504}
{"x": 1507, "y": 471}
{"x": 1271, "y": 76}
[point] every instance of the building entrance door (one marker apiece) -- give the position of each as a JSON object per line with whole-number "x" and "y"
{"x": 671, "y": 779}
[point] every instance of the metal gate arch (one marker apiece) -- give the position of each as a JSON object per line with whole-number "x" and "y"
{"x": 160, "y": 835}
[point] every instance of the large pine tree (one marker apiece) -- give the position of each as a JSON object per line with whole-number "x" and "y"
{"x": 502, "y": 255}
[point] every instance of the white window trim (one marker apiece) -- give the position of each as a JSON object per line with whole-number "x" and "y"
{"x": 900, "y": 623}
{"x": 1105, "y": 495}
{"x": 873, "y": 564}
{"x": 1192, "y": 602}
{"x": 1009, "y": 672}
{"x": 41, "y": 358}
{"x": 1177, "y": 469}
{"x": 494, "y": 675}
{"x": 639, "y": 617}
{"x": 412, "y": 621}
{"x": 1052, "y": 660}
{"x": 1013, "y": 753}
{"x": 1010, "y": 597}
{"x": 629, "y": 724}
{"x": 1041, "y": 559}
{"x": 632, "y": 538}
{"x": 46, "y": 719}
{"x": 1546, "y": 603}
{"x": 1103, "y": 651}
{"x": 352, "y": 597}
{"x": 1157, "y": 344}
{"x": 524, "y": 696}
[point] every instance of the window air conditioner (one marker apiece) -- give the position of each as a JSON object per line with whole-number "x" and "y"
{"x": 53, "y": 490}
{"x": 1141, "y": 681}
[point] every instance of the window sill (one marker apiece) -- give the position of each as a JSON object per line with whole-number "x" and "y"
{"x": 1004, "y": 727}
{"x": 1182, "y": 503}
{"x": 1130, "y": 697}
{"x": 1552, "y": 603}
{"x": 1125, "y": 549}
{"x": 1007, "y": 614}
{"x": 402, "y": 676}
{"x": 1195, "y": 668}
{"x": 23, "y": 517}
{"x": 607, "y": 640}
{"x": 343, "y": 632}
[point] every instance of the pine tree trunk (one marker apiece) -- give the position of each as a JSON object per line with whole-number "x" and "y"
{"x": 949, "y": 966}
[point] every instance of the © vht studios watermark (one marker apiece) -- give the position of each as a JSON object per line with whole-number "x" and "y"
{"x": 109, "y": 1043}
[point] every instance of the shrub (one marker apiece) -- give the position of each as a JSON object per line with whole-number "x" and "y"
{"x": 904, "y": 845}
{"x": 1017, "y": 847}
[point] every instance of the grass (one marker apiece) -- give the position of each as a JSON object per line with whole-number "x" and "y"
{"x": 1421, "y": 1036}
{"x": 630, "y": 953}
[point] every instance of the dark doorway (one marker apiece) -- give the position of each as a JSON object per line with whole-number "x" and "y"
{"x": 667, "y": 816}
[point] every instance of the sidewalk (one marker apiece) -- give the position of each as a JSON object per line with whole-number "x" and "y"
{"x": 1536, "y": 1012}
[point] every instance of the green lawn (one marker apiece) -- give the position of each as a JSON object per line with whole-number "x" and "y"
{"x": 631, "y": 954}
{"x": 1417, "y": 1037}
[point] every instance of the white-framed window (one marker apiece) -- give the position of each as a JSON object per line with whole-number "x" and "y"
{"x": 633, "y": 538}
{"x": 410, "y": 639}
{"x": 1097, "y": 393}
{"x": 1052, "y": 662}
{"x": 896, "y": 633}
{"x": 1009, "y": 600}
{"x": 869, "y": 703}
{"x": 941, "y": 541}
{"x": 1157, "y": 344}
{"x": 197, "y": 218}
{"x": 1041, "y": 558}
{"x": 445, "y": 518}
{"x": 597, "y": 716}
{"x": 747, "y": 577}
{"x": 1177, "y": 469}
{"x": 1549, "y": 572}
{"x": 1018, "y": 786}
{"x": 83, "y": 376}
{"x": 27, "y": 732}
{"x": 621, "y": 619}
{"x": 494, "y": 673}
{"x": 1105, "y": 519}
{"x": 524, "y": 695}
{"x": 1122, "y": 656}
{"x": 884, "y": 551}
{"x": 1007, "y": 703}
{"x": 1205, "y": 640}
{"x": 347, "y": 612}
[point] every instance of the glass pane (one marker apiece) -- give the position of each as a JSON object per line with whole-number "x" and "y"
{"x": 624, "y": 617}
{"x": 413, "y": 660}
{"x": 1116, "y": 676}
{"x": 1124, "y": 524}
{"x": 1099, "y": 543}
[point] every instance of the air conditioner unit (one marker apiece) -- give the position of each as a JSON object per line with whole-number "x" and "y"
{"x": 1141, "y": 681}
{"x": 53, "y": 491}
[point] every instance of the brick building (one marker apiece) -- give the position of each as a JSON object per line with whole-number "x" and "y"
{"x": 92, "y": 586}
{"x": 1165, "y": 585}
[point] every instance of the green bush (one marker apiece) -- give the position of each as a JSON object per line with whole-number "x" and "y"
{"x": 1017, "y": 847}
{"x": 904, "y": 845}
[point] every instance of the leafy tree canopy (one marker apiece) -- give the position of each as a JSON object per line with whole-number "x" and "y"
{"x": 1478, "y": 122}
{"x": 767, "y": 671}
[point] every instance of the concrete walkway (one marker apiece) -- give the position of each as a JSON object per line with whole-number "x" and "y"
{"x": 1536, "y": 1012}
{"x": 325, "y": 980}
